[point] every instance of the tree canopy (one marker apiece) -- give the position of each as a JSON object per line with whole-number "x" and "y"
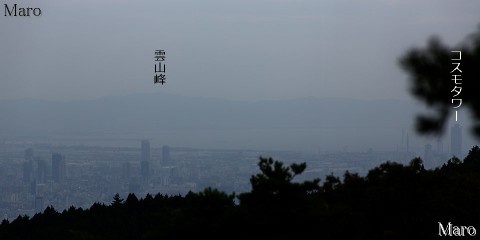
{"x": 430, "y": 71}
{"x": 393, "y": 201}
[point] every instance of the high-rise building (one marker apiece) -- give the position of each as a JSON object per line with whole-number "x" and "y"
{"x": 28, "y": 166}
{"x": 145, "y": 170}
{"x": 58, "y": 167}
{"x": 27, "y": 171}
{"x": 33, "y": 187}
{"x": 166, "y": 155}
{"x": 145, "y": 155}
{"x": 456, "y": 141}
{"x": 41, "y": 170}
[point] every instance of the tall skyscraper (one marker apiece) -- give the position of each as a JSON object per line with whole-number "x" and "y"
{"x": 41, "y": 170}
{"x": 166, "y": 155}
{"x": 27, "y": 171}
{"x": 33, "y": 187}
{"x": 145, "y": 170}
{"x": 28, "y": 166}
{"x": 58, "y": 167}
{"x": 145, "y": 155}
{"x": 456, "y": 141}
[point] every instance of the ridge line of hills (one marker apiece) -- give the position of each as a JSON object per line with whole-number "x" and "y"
{"x": 209, "y": 120}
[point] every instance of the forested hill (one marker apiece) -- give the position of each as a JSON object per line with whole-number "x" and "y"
{"x": 392, "y": 201}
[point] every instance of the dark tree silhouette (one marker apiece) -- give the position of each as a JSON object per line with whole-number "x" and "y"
{"x": 472, "y": 161}
{"x": 274, "y": 184}
{"x": 393, "y": 201}
{"x": 430, "y": 71}
{"x": 117, "y": 201}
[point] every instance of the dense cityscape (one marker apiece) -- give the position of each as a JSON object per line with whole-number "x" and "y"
{"x": 34, "y": 176}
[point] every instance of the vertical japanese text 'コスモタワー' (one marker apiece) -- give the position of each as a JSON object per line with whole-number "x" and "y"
{"x": 457, "y": 78}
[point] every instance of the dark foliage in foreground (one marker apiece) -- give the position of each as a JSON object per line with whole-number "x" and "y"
{"x": 431, "y": 71}
{"x": 392, "y": 202}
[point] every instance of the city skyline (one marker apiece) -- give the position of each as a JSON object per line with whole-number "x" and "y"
{"x": 82, "y": 175}
{"x": 273, "y": 114}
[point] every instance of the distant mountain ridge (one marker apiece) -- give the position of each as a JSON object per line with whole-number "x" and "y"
{"x": 141, "y": 114}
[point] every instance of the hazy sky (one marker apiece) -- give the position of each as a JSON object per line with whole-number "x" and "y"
{"x": 242, "y": 50}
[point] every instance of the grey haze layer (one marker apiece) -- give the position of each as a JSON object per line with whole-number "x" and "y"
{"x": 297, "y": 124}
